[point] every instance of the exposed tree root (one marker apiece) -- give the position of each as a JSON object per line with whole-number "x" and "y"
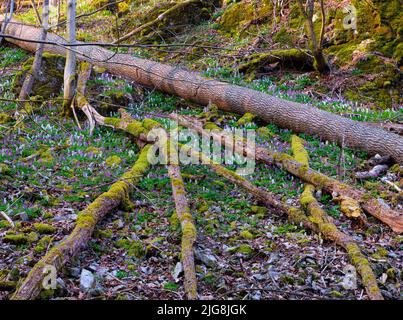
{"x": 59, "y": 255}
{"x": 188, "y": 231}
{"x": 329, "y": 230}
{"x": 334, "y": 187}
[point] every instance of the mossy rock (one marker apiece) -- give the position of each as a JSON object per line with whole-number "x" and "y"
{"x": 379, "y": 20}
{"x": 134, "y": 248}
{"x": 285, "y": 59}
{"x": 382, "y": 89}
{"x": 171, "y": 18}
{"x": 239, "y": 15}
{"x": 243, "y": 249}
{"x": 44, "y": 228}
{"x": 5, "y": 118}
{"x": 113, "y": 161}
{"x": 245, "y": 234}
{"x": 247, "y": 118}
{"x": 43, "y": 244}
{"x": 4, "y": 169}
{"x": 49, "y": 81}
{"x": 283, "y": 37}
{"x": 18, "y": 239}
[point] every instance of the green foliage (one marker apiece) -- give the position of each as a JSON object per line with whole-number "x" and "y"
{"x": 11, "y": 56}
{"x": 171, "y": 286}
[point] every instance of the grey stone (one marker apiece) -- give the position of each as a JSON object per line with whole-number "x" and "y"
{"x": 87, "y": 280}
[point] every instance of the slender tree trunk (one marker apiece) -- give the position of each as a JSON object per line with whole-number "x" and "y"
{"x": 70, "y": 67}
{"x": 38, "y": 16}
{"x": 189, "y": 85}
{"x": 7, "y": 17}
{"x": 36, "y": 66}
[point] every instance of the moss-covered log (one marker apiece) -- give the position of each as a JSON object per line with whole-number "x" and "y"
{"x": 117, "y": 195}
{"x": 329, "y": 230}
{"x": 188, "y": 230}
{"x": 370, "y": 205}
{"x": 228, "y": 97}
{"x": 36, "y": 66}
{"x": 294, "y": 214}
{"x": 348, "y": 206}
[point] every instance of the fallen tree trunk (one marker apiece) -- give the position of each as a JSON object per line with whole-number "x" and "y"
{"x": 188, "y": 230}
{"x": 58, "y": 256}
{"x": 228, "y": 97}
{"x": 284, "y": 161}
{"x": 317, "y": 222}
{"x": 329, "y": 230}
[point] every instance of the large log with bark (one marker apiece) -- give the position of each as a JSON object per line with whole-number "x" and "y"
{"x": 192, "y": 86}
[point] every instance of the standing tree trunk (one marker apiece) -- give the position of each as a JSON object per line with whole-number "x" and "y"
{"x": 9, "y": 8}
{"x": 316, "y": 44}
{"x": 36, "y": 66}
{"x": 69, "y": 70}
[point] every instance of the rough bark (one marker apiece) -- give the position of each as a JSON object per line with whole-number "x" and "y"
{"x": 188, "y": 230}
{"x": 334, "y": 187}
{"x": 329, "y": 230}
{"x": 58, "y": 256}
{"x": 36, "y": 66}
{"x": 295, "y": 116}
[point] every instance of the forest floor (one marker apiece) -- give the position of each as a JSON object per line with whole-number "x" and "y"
{"x": 52, "y": 170}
